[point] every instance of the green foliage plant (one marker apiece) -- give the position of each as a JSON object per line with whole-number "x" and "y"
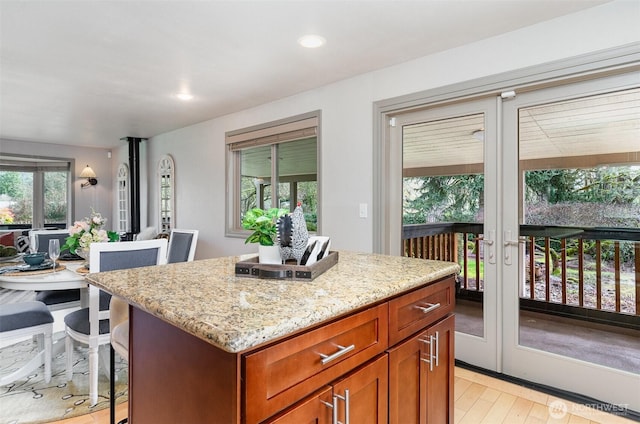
{"x": 263, "y": 224}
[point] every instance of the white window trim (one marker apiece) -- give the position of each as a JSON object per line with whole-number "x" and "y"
{"x": 265, "y": 134}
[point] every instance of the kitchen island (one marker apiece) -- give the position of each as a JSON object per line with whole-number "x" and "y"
{"x": 208, "y": 346}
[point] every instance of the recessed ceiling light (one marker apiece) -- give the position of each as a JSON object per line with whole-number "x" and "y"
{"x": 184, "y": 96}
{"x": 311, "y": 41}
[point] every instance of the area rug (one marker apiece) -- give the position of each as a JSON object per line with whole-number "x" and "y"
{"x": 31, "y": 400}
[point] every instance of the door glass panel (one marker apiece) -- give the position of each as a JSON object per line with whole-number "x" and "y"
{"x": 580, "y": 227}
{"x": 443, "y": 204}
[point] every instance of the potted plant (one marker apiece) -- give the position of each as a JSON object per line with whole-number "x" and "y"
{"x": 263, "y": 224}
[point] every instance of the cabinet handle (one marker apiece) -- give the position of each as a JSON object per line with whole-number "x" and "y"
{"x": 429, "y": 307}
{"x": 437, "y": 349}
{"x": 342, "y": 350}
{"x": 327, "y": 404}
{"x": 430, "y": 342}
{"x": 345, "y": 398}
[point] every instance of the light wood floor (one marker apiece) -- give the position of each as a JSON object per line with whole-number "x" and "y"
{"x": 479, "y": 399}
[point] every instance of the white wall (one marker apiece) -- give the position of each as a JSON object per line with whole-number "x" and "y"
{"x": 97, "y": 197}
{"x": 347, "y": 120}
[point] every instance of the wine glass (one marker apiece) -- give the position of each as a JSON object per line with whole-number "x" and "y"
{"x": 54, "y": 251}
{"x": 33, "y": 243}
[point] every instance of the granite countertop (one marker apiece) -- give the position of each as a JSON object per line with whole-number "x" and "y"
{"x": 206, "y": 299}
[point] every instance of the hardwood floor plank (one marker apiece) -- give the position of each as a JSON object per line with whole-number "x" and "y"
{"x": 470, "y": 396}
{"x": 477, "y": 413}
{"x": 519, "y": 411}
{"x": 480, "y": 399}
{"x": 500, "y": 409}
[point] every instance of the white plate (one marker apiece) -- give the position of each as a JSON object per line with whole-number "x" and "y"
{"x": 10, "y": 258}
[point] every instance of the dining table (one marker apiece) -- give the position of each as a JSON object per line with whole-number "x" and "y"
{"x": 68, "y": 275}
{"x": 16, "y": 275}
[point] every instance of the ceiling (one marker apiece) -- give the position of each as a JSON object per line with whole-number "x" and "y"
{"x": 91, "y": 72}
{"x": 582, "y": 132}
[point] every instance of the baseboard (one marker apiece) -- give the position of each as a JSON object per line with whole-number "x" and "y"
{"x": 553, "y": 391}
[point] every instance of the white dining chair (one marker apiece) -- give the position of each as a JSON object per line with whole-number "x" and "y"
{"x": 182, "y": 245}
{"x": 90, "y": 325}
{"x": 182, "y": 248}
{"x": 54, "y": 299}
{"x": 18, "y": 320}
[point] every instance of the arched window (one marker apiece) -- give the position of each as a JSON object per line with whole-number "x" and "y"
{"x": 167, "y": 196}
{"x": 123, "y": 198}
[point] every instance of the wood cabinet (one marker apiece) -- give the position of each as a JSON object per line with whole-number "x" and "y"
{"x": 392, "y": 362}
{"x": 421, "y": 376}
{"x": 280, "y": 375}
{"x": 358, "y": 397}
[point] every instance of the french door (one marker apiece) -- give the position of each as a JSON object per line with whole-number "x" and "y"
{"x": 588, "y": 125}
{"x": 501, "y": 138}
{"x": 450, "y": 146}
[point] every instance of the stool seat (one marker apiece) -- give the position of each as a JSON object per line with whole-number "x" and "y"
{"x": 14, "y": 316}
{"x": 59, "y": 299}
{"x": 19, "y": 320}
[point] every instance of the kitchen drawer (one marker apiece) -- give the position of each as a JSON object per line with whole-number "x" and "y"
{"x": 279, "y": 375}
{"x": 420, "y": 308}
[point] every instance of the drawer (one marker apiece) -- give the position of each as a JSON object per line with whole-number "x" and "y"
{"x": 420, "y": 308}
{"x": 279, "y": 375}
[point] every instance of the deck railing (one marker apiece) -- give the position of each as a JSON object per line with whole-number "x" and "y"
{"x": 591, "y": 268}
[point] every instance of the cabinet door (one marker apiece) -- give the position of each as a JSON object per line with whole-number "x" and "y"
{"x": 408, "y": 381}
{"x": 440, "y": 377}
{"x": 363, "y": 394}
{"x": 316, "y": 409}
{"x": 421, "y": 377}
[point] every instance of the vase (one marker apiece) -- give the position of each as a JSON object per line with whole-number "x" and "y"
{"x": 269, "y": 255}
{"x": 84, "y": 253}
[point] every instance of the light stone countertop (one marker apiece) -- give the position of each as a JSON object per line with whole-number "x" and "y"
{"x": 207, "y": 300}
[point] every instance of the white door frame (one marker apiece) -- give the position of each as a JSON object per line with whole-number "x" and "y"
{"x": 479, "y": 351}
{"x": 608, "y": 384}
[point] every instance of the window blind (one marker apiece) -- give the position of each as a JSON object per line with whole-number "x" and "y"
{"x": 290, "y": 131}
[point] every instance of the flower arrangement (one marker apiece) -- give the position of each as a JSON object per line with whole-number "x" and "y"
{"x": 88, "y": 231}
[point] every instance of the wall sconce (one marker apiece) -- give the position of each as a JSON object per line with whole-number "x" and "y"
{"x": 90, "y": 176}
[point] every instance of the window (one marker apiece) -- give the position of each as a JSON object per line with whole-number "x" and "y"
{"x": 256, "y": 180}
{"x": 167, "y": 199}
{"x": 34, "y": 192}
{"x": 123, "y": 198}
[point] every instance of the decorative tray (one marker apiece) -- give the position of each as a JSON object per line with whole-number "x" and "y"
{"x": 251, "y": 268}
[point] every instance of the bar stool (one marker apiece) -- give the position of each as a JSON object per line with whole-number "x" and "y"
{"x": 28, "y": 319}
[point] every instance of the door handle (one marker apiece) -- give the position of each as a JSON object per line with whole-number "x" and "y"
{"x": 490, "y": 242}
{"x": 508, "y": 244}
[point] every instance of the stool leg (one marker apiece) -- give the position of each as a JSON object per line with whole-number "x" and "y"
{"x": 68, "y": 351}
{"x": 47, "y": 354}
{"x": 112, "y": 383}
{"x": 93, "y": 375}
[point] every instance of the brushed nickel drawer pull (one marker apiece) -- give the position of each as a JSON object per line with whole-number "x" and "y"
{"x": 328, "y": 358}
{"x": 429, "y": 307}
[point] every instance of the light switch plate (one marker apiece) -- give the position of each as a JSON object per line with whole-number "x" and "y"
{"x": 363, "y": 210}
